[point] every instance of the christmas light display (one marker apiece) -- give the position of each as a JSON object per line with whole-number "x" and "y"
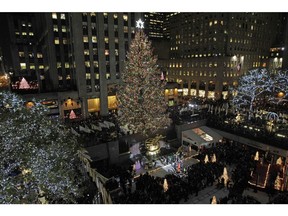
{"x": 259, "y": 83}
{"x": 141, "y": 99}
{"x": 250, "y": 87}
{"x": 24, "y": 84}
{"x": 36, "y": 154}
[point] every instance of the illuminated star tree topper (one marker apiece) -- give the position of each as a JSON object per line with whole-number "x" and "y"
{"x": 140, "y": 24}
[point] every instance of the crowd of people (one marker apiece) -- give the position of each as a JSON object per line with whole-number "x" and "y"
{"x": 149, "y": 189}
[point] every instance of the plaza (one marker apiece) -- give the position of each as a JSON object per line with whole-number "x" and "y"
{"x": 144, "y": 108}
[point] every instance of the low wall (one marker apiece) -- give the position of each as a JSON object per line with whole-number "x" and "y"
{"x": 184, "y": 127}
{"x": 253, "y": 143}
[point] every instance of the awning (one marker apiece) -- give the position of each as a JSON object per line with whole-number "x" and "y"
{"x": 201, "y": 136}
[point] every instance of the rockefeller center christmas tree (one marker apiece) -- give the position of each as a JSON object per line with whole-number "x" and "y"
{"x": 141, "y": 101}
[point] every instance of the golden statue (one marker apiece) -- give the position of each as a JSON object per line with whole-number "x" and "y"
{"x": 153, "y": 145}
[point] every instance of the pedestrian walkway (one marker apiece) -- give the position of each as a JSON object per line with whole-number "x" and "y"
{"x": 260, "y": 196}
{"x": 205, "y": 195}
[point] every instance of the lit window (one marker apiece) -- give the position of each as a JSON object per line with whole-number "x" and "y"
{"x": 62, "y": 16}
{"x": 108, "y": 75}
{"x": 116, "y": 52}
{"x": 29, "y": 25}
{"x": 97, "y": 76}
{"x": 39, "y": 55}
{"x": 105, "y": 14}
{"x": 67, "y": 65}
{"x": 17, "y": 33}
{"x": 95, "y": 51}
{"x": 85, "y": 39}
{"x": 210, "y": 23}
{"x": 106, "y": 52}
{"x": 21, "y": 54}
{"x": 55, "y": 28}
{"x": 54, "y": 16}
{"x": 87, "y": 63}
{"x": 60, "y": 77}
{"x": 64, "y": 29}
{"x": 24, "y": 33}
{"x": 31, "y": 33}
{"x": 32, "y": 66}
{"x": 23, "y": 66}
{"x": 115, "y": 16}
{"x": 95, "y": 63}
{"x": 88, "y": 76}
{"x": 106, "y": 40}
{"x": 58, "y": 64}
{"x": 116, "y": 40}
{"x": 41, "y": 67}
{"x": 68, "y": 77}
{"x": 125, "y": 17}
{"x": 86, "y": 52}
{"x": 92, "y": 14}
{"x": 94, "y": 39}
{"x": 215, "y": 22}
{"x": 64, "y": 41}
{"x": 23, "y": 24}
{"x": 56, "y": 41}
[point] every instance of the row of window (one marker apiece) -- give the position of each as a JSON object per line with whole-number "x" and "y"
{"x": 24, "y": 33}
{"x": 23, "y": 66}
{"x": 60, "y": 77}
{"x": 31, "y": 55}
{"x": 204, "y": 64}
{"x": 202, "y": 74}
{"x": 55, "y": 16}
{"x": 56, "y": 29}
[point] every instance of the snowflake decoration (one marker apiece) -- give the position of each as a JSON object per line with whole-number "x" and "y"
{"x": 140, "y": 24}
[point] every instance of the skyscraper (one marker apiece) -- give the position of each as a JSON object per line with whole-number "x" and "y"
{"x": 81, "y": 57}
{"x": 209, "y": 51}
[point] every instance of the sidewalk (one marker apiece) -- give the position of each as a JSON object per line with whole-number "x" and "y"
{"x": 205, "y": 195}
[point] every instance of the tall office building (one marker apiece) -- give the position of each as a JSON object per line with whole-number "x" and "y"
{"x": 155, "y": 24}
{"x": 25, "y": 58}
{"x": 209, "y": 51}
{"x": 82, "y": 56}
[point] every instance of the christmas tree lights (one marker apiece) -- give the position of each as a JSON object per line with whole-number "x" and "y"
{"x": 141, "y": 95}
{"x": 36, "y": 154}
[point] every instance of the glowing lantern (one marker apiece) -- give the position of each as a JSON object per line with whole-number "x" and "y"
{"x": 214, "y": 200}
{"x": 165, "y": 185}
{"x": 206, "y": 160}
